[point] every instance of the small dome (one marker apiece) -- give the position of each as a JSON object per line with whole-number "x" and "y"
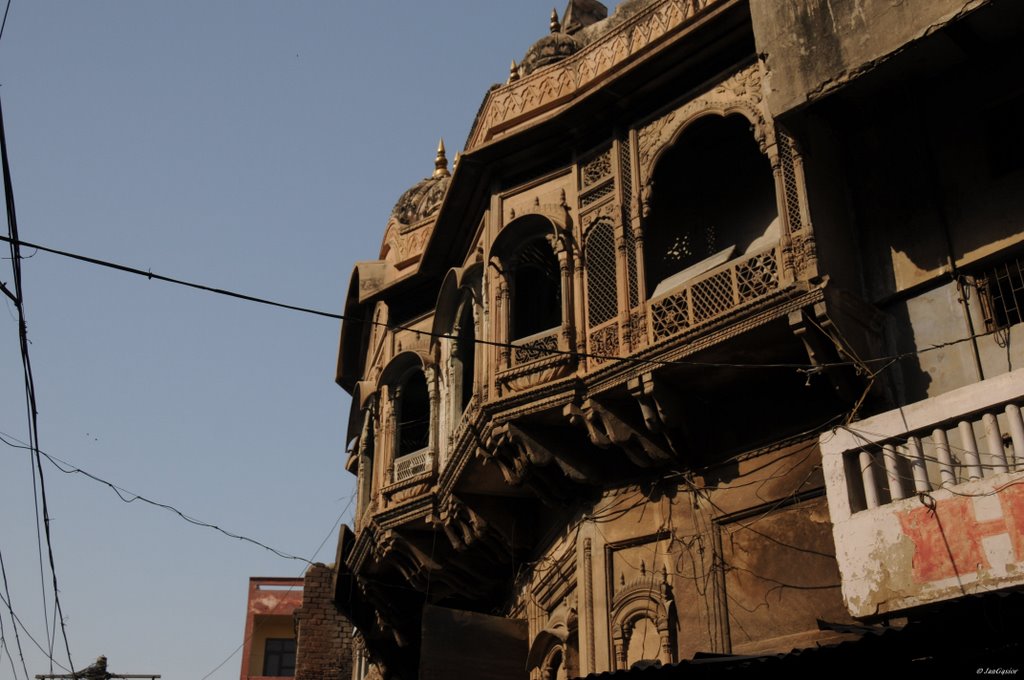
{"x": 424, "y": 198}
{"x": 552, "y": 48}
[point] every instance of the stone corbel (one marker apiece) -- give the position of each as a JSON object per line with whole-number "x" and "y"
{"x": 814, "y": 328}
{"x": 663, "y": 409}
{"x": 522, "y": 461}
{"x": 609, "y": 423}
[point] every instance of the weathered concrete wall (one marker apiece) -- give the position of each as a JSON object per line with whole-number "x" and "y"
{"x": 324, "y": 636}
{"x": 746, "y": 567}
{"x": 962, "y": 538}
{"x": 814, "y": 46}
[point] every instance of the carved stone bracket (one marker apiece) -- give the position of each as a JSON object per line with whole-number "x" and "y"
{"x": 608, "y": 424}
{"x": 813, "y": 327}
{"x": 663, "y": 410}
{"x": 534, "y": 461}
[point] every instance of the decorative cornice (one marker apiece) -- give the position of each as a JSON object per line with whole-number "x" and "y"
{"x": 582, "y": 72}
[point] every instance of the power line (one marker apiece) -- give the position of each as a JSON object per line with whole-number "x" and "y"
{"x": 4, "y": 24}
{"x": 10, "y": 609}
{"x": 315, "y": 553}
{"x": 128, "y": 497}
{"x": 24, "y": 629}
{"x": 638, "y": 361}
{"x": 30, "y": 390}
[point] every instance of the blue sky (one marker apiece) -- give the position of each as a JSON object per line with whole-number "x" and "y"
{"x": 253, "y": 145}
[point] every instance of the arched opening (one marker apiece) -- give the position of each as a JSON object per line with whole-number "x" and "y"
{"x": 644, "y": 643}
{"x": 554, "y": 667}
{"x": 536, "y": 293}
{"x": 466, "y": 354}
{"x": 413, "y": 414}
{"x": 713, "y": 200}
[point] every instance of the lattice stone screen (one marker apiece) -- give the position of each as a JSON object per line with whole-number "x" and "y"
{"x": 534, "y": 348}
{"x": 602, "y": 298}
{"x": 412, "y": 465}
{"x": 716, "y": 293}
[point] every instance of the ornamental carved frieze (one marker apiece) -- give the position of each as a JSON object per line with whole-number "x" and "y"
{"x": 575, "y": 75}
{"x": 739, "y": 93}
{"x": 608, "y": 211}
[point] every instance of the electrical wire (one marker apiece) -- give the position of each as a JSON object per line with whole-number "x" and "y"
{"x": 128, "y": 497}
{"x": 4, "y": 24}
{"x": 30, "y": 391}
{"x": 10, "y": 609}
{"x": 330, "y": 533}
{"x": 807, "y": 368}
{"x": 24, "y": 629}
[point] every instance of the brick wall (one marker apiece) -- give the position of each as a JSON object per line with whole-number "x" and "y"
{"x": 324, "y": 649}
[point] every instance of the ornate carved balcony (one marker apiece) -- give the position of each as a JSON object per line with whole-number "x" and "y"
{"x": 536, "y": 360}
{"x": 413, "y": 465}
{"x": 412, "y": 476}
{"x": 714, "y": 293}
{"x": 927, "y": 501}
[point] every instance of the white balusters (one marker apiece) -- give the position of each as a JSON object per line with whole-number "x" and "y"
{"x": 867, "y": 473}
{"x": 892, "y": 471}
{"x": 917, "y": 465}
{"x": 946, "y": 472}
{"x": 995, "y": 442}
{"x": 970, "y": 446}
{"x": 1016, "y": 434}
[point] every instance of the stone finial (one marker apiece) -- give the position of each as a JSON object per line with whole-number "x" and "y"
{"x": 441, "y": 161}
{"x": 513, "y": 72}
{"x": 555, "y": 26}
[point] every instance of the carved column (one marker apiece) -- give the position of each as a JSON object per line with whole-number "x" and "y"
{"x": 430, "y": 373}
{"x": 562, "y": 251}
{"x": 787, "y": 255}
{"x": 394, "y": 402}
{"x": 621, "y": 644}
{"x": 665, "y": 651}
{"x": 580, "y": 321}
{"x": 502, "y": 310}
{"x": 588, "y": 613}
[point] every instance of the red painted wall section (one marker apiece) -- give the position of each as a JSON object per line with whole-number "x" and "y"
{"x": 948, "y": 536}
{"x": 268, "y": 596}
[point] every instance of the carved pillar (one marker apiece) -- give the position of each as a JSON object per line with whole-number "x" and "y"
{"x": 588, "y": 612}
{"x": 622, "y": 280}
{"x": 621, "y": 644}
{"x": 580, "y": 322}
{"x": 808, "y": 249}
{"x": 364, "y": 485}
{"x": 502, "y": 310}
{"x": 665, "y": 650}
{"x": 430, "y": 373}
{"x": 787, "y": 255}
{"x": 568, "y": 323}
{"x": 394, "y": 401}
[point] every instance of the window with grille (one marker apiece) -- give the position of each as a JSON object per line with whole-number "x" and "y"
{"x": 413, "y": 414}
{"x": 279, "y": 658}
{"x": 536, "y": 290}
{"x": 602, "y": 300}
{"x": 1002, "y": 294}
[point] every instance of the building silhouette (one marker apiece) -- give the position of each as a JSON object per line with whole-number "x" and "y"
{"x": 705, "y": 351}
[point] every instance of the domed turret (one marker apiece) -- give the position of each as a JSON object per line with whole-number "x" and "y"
{"x": 550, "y": 49}
{"x": 424, "y": 198}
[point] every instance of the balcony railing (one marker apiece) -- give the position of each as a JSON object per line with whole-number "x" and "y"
{"x": 413, "y": 464}
{"x": 715, "y": 293}
{"x": 537, "y": 346}
{"x": 927, "y": 501}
